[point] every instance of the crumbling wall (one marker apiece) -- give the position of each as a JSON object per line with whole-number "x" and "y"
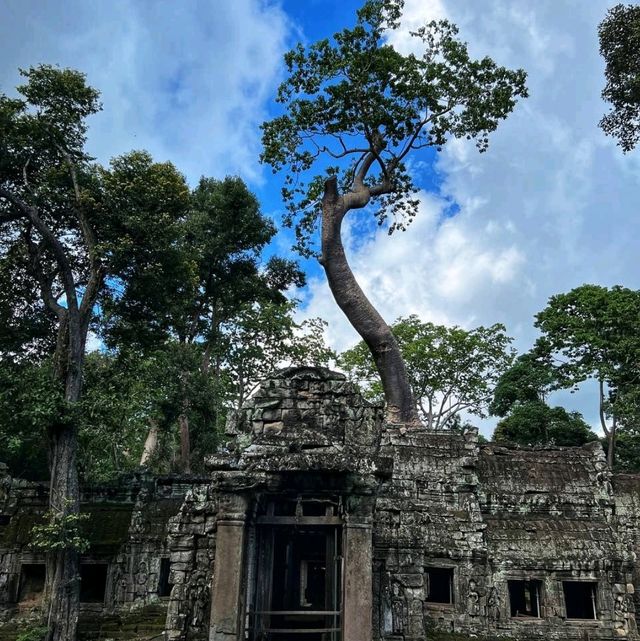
{"x": 494, "y": 515}
{"x": 484, "y": 517}
{"x": 191, "y": 542}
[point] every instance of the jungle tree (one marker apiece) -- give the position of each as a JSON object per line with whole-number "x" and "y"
{"x": 451, "y": 370}
{"x": 204, "y": 269}
{"x": 48, "y": 209}
{"x": 619, "y": 35}
{"x": 593, "y": 332}
{"x": 355, "y": 111}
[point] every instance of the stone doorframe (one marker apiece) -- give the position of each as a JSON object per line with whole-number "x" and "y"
{"x": 236, "y": 495}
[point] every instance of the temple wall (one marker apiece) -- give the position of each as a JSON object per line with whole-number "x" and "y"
{"x": 464, "y": 539}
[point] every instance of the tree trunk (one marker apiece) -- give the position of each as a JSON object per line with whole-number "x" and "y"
{"x": 185, "y": 443}
{"x": 611, "y": 449}
{"x": 63, "y": 581}
{"x": 150, "y": 444}
{"x": 365, "y": 319}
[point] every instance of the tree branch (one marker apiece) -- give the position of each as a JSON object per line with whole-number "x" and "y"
{"x": 54, "y": 244}
{"x": 603, "y": 421}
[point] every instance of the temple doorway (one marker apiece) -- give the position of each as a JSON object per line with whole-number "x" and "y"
{"x": 297, "y": 586}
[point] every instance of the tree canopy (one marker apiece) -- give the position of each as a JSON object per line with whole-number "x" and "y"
{"x": 451, "y": 370}
{"x": 593, "y": 332}
{"x": 619, "y": 35}
{"x": 355, "y": 110}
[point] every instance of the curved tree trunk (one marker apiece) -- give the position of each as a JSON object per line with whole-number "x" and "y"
{"x": 400, "y": 405}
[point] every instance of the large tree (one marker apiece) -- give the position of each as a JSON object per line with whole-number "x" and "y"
{"x": 63, "y": 238}
{"x": 451, "y": 370}
{"x": 355, "y": 111}
{"x": 205, "y": 267}
{"x": 619, "y": 35}
{"x": 49, "y": 205}
{"x": 593, "y": 332}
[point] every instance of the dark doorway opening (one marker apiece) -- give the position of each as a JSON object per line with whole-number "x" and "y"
{"x": 164, "y": 587}
{"x": 297, "y": 591}
{"x": 439, "y": 585}
{"x": 524, "y": 598}
{"x": 31, "y": 587}
{"x": 580, "y": 599}
{"x": 93, "y": 582}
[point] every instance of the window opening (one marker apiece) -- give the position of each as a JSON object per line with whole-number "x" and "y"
{"x": 32, "y": 578}
{"x": 524, "y": 598}
{"x": 580, "y": 599}
{"x": 164, "y": 587}
{"x": 93, "y": 582}
{"x": 439, "y": 585}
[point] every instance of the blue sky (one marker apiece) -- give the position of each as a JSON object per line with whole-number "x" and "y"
{"x": 552, "y": 205}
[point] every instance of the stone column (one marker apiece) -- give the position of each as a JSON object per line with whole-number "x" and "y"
{"x": 226, "y": 599}
{"x": 358, "y": 587}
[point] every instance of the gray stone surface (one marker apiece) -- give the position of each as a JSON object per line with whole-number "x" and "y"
{"x": 425, "y": 503}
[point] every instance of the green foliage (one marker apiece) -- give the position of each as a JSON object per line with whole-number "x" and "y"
{"x": 533, "y": 422}
{"x": 33, "y": 633}
{"x": 30, "y": 401}
{"x": 451, "y": 370}
{"x": 264, "y": 337}
{"x": 619, "y": 35}
{"x": 594, "y": 332}
{"x": 355, "y": 107}
{"x": 60, "y": 531}
{"x": 627, "y": 451}
{"x": 529, "y": 379}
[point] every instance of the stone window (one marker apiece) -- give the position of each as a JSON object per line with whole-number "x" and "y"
{"x": 93, "y": 582}
{"x": 580, "y": 599}
{"x": 31, "y": 587}
{"x": 439, "y": 585}
{"x": 164, "y": 587}
{"x": 524, "y": 598}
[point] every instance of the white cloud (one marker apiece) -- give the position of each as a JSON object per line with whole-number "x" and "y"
{"x": 188, "y": 82}
{"x": 550, "y": 206}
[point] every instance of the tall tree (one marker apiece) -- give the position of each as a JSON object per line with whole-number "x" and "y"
{"x": 205, "y": 266}
{"x": 619, "y": 35}
{"x": 355, "y": 110}
{"x": 451, "y": 370}
{"x": 593, "y": 332}
{"x": 48, "y": 210}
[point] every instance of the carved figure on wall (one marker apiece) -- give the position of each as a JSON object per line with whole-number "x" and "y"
{"x": 473, "y": 599}
{"x": 141, "y": 580}
{"x": 622, "y": 612}
{"x": 200, "y": 599}
{"x": 493, "y": 605}
{"x": 397, "y": 609}
{"x": 4, "y": 587}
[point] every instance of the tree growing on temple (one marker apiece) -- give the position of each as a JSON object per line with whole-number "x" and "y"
{"x": 355, "y": 111}
{"x": 452, "y": 371}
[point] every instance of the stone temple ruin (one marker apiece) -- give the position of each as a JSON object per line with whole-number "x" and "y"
{"x": 323, "y": 523}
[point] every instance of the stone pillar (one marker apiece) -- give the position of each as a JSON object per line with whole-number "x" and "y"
{"x": 358, "y": 586}
{"x": 226, "y": 598}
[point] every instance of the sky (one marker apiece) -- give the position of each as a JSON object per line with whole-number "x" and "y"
{"x": 550, "y": 206}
